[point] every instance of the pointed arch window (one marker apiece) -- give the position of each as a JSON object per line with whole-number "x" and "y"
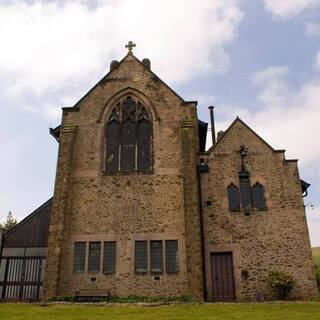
{"x": 245, "y": 189}
{"x": 128, "y": 138}
{"x": 258, "y": 196}
{"x": 233, "y": 198}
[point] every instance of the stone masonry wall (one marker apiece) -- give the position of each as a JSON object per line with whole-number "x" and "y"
{"x": 272, "y": 240}
{"x": 125, "y": 208}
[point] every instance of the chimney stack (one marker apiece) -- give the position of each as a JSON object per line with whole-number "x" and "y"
{"x": 213, "y": 131}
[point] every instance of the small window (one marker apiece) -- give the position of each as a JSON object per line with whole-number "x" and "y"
{"x": 156, "y": 257}
{"x": 172, "y": 257}
{"x": 258, "y": 196}
{"x": 233, "y": 197}
{"x": 141, "y": 257}
{"x": 94, "y": 257}
{"x": 245, "y": 189}
{"x": 79, "y": 256}
{"x": 109, "y": 257}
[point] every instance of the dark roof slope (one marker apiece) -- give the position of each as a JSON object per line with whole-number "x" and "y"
{"x": 32, "y": 231}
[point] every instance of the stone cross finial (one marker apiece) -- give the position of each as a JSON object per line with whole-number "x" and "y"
{"x": 130, "y": 46}
{"x": 243, "y": 154}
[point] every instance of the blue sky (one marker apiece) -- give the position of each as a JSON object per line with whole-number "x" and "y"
{"x": 259, "y": 59}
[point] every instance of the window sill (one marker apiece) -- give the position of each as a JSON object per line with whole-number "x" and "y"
{"x": 109, "y": 273}
{"x": 254, "y": 210}
{"x": 126, "y": 173}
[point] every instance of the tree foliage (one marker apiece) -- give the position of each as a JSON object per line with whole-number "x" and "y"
{"x": 9, "y": 223}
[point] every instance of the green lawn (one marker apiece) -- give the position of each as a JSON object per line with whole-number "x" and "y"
{"x": 268, "y": 311}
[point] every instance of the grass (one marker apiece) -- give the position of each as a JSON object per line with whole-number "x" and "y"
{"x": 316, "y": 258}
{"x": 245, "y": 311}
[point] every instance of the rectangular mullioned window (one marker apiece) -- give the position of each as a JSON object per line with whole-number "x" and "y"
{"x": 94, "y": 257}
{"x": 141, "y": 257}
{"x": 161, "y": 253}
{"x": 109, "y": 257}
{"x": 172, "y": 256}
{"x": 156, "y": 257}
{"x": 79, "y": 257}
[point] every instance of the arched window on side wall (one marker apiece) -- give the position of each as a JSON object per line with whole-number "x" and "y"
{"x": 258, "y": 196}
{"x": 245, "y": 189}
{"x": 233, "y": 198}
{"x": 129, "y": 138}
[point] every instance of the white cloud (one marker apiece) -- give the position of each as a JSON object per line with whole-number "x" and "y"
{"x": 313, "y": 29}
{"x": 289, "y": 8}
{"x": 287, "y": 117}
{"x": 317, "y": 61}
{"x": 274, "y": 85}
{"x": 47, "y": 46}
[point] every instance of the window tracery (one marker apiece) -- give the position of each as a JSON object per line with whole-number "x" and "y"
{"x": 129, "y": 137}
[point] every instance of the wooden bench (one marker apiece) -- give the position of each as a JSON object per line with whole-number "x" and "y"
{"x": 91, "y": 294}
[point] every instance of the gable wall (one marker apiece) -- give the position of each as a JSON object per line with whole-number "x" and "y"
{"x": 92, "y": 206}
{"x": 272, "y": 240}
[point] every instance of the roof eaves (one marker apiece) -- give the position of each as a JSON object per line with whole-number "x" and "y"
{"x": 55, "y": 132}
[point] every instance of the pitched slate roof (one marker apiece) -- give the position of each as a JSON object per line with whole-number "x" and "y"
{"x": 32, "y": 231}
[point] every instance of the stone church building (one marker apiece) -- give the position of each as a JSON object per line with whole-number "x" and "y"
{"x": 141, "y": 207}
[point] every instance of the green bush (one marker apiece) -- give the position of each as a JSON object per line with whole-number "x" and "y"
{"x": 318, "y": 276}
{"x": 281, "y": 284}
{"x": 126, "y": 299}
{"x": 66, "y": 298}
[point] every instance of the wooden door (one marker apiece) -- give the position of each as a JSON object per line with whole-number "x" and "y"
{"x": 222, "y": 276}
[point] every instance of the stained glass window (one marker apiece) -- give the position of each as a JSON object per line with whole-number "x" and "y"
{"x": 128, "y": 137}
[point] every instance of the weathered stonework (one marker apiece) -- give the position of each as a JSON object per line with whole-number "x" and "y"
{"x": 92, "y": 205}
{"x": 263, "y": 241}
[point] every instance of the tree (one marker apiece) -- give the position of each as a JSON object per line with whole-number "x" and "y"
{"x": 8, "y": 223}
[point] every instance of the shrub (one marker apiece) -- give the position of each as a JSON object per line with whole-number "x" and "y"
{"x": 127, "y": 299}
{"x": 281, "y": 284}
{"x": 66, "y": 298}
{"x": 318, "y": 276}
